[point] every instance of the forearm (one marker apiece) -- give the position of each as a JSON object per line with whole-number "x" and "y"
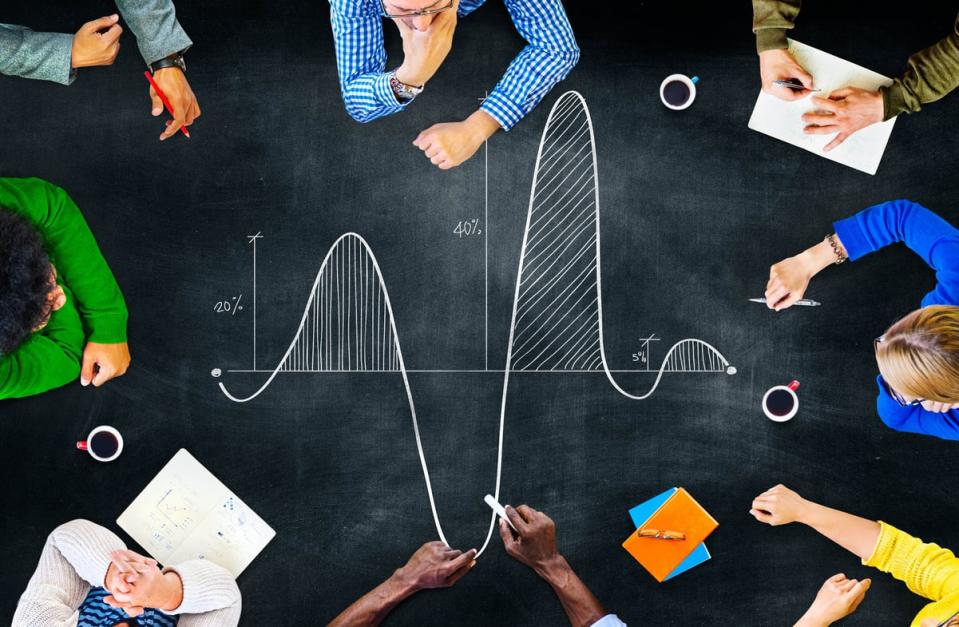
{"x": 155, "y": 26}
{"x": 819, "y": 257}
{"x": 374, "y": 606}
{"x": 932, "y": 73}
{"x": 771, "y": 19}
{"x": 582, "y": 608}
{"x": 855, "y": 534}
{"x": 29, "y": 54}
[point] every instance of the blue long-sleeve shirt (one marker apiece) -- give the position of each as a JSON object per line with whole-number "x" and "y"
{"x": 937, "y": 242}
{"x": 550, "y": 54}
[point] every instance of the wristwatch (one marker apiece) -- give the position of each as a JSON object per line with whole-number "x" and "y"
{"x": 174, "y": 60}
{"x": 404, "y": 92}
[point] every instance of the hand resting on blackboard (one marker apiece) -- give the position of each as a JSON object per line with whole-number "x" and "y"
{"x": 534, "y": 544}
{"x": 433, "y": 565}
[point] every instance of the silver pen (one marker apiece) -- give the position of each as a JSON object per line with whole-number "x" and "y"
{"x": 792, "y": 85}
{"x": 805, "y": 302}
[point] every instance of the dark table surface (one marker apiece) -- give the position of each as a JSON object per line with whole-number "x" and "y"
{"x": 695, "y": 209}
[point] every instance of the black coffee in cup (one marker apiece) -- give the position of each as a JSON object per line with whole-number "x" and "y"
{"x": 676, "y": 93}
{"x": 779, "y": 402}
{"x": 104, "y": 444}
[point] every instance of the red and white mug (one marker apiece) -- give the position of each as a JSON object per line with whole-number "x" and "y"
{"x": 104, "y": 444}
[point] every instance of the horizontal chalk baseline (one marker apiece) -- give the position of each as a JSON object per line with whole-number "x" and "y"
{"x": 490, "y": 371}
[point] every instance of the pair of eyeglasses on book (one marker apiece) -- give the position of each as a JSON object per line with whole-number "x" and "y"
{"x": 661, "y": 535}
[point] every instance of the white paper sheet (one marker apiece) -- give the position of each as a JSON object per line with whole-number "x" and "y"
{"x": 782, "y": 119}
{"x": 186, "y": 513}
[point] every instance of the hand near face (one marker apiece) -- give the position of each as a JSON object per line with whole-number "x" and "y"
{"x": 937, "y": 407}
{"x": 174, "y": 85}
{"x": 534, "y": 542}
{"x": 779, "y": 65}
{"x": 778, "y": 506}
{"x": 838, "y": 598}
{"x": 426, "y": 42}
{"x": 844, "y": 112}
{"x": 96, "y": 43}
{"x": 102, "y": 362}
{"x": 435, "y": 565}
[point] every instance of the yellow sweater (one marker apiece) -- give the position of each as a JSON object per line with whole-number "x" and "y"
{"x": 927, "y": 569}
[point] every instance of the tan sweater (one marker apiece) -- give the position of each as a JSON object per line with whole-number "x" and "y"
{"x": 75, "y": 559}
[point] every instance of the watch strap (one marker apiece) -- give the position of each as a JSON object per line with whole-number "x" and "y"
{"x": 175, "y": 60}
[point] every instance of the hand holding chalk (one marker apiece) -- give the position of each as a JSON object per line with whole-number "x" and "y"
{"x": 499, "y": 509}
{"x": 534, "y": 544}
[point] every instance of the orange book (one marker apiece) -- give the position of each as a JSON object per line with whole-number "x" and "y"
{"x": 680, "y": 513}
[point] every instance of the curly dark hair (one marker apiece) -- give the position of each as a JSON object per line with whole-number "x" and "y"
{"x": 24, "y": 280}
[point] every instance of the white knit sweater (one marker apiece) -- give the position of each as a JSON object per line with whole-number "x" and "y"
{"x": 76, "y": 557}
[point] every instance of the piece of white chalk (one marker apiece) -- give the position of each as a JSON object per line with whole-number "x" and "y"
{"x": 499, "y": 509}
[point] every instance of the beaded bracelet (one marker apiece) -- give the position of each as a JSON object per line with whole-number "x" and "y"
{"x": 840, "y": 257}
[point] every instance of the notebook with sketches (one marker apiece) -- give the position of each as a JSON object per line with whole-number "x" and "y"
{"x": 186, "y": 513}
{"x": 782, "y": 119}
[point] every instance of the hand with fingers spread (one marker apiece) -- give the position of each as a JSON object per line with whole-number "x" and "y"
{"x": 778, "y": 506}
{"x": 844, "y": 112}
{"x": 449, "y": 144}
{"x": 102, "y": 362}
{"x": 176, "y": 88}
{"x": 96, "y": 43}
{"x": 779, "y": 65}
{"x": 837, "y": 598}
{"x": 435, "y": 565}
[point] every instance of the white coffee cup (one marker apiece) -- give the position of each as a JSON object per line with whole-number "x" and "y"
{"x": 690, "y": 83}
{"x": 774, "y": 413}
{"x": 105, "y": 433}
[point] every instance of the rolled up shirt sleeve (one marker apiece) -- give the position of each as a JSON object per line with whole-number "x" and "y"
{"x": 42, "y": 56}
{"x": 361, "y": 60}
{"x": 156, "y": 28}
{"x": 549, "y": 56}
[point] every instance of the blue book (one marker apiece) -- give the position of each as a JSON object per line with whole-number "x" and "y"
{"x": 641, "y": 513}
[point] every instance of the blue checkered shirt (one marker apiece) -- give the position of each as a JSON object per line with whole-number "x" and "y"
{"x": 550, "y": 53}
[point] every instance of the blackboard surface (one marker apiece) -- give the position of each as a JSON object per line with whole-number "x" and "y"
{"x": 695, "y": 209}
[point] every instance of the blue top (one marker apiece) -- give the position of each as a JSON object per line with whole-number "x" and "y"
{"x": 550, "y": 53}
{"x": 94, "y": 612}
{"x": 937, "y": 242}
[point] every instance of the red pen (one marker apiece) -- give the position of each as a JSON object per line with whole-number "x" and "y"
{"x": 163, "y": 98}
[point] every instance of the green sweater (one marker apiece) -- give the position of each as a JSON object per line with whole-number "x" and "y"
{"x": 94, "y": 310}
{"x": 931, "y": 74}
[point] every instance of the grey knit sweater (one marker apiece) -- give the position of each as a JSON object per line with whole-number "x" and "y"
{"x": 47, "y": 56}
{"x": 75, "y": 559}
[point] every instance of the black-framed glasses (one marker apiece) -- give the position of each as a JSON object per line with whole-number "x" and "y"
{"x": 896, "y": 396}
{"x": 446, "y": 4}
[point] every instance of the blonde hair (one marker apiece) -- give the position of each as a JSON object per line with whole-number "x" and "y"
{"x": 919, "y": 355}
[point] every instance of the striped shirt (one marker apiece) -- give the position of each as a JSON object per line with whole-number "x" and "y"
{"x": 94, "y": 612}
{"x": 550, "y": 54}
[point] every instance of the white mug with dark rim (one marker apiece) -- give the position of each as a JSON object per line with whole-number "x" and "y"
{"x": 780, "y": 403}
{"x": 678, "y": 91}
{"x": 104, "y": 444}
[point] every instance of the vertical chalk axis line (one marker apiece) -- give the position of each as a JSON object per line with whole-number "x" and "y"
{"x": 485, "y": 246}
{"x": 556, "y": 321}
{"x": 251, "y": 239}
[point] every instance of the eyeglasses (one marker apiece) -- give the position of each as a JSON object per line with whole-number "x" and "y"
{"x": 394, "y": 16}
{"x": 661, "y": 535}
{"x": 896, "y": 396}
